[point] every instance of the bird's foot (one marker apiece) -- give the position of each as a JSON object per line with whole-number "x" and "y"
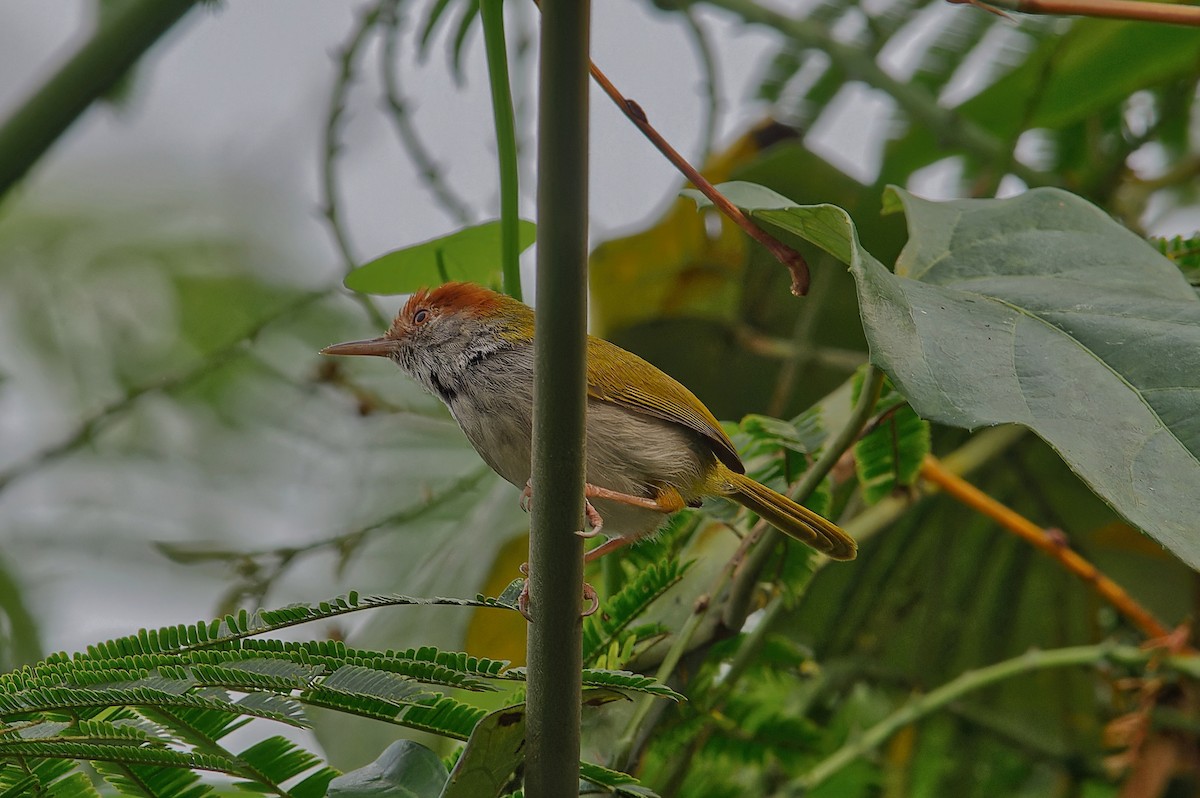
{"x": 594, "y": 521}
{"x": 589, "y": 596}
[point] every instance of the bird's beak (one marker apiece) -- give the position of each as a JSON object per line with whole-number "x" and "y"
{"x": 380, "y": 347}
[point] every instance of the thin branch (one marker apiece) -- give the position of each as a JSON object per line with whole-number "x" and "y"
{"x": 88, "y": 428}
{"x": 331, "y": 147}
{"x": 1053, "y": 545}
{"x": 800, "y": 351}
{"x": 94, "y": 69}
{"x": 708, "y": 63}
{"x": 789, "y": 257}
{"x": 428, "y": 170}
{"x": 968, "y": 682}
{"x": 748, "y": 571}
{"x": 1140, "y": 10}
{"x": 261, "y": 569}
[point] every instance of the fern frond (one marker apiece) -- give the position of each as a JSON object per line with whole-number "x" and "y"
{"x": 63, "y": 748}
{"x": 276, "y": 760}
{"x": 232, "y": 628}
{"x": 355, "y": 680}
{"x": 447, "y": 717}
{"x": 615, "y": 780}
{"x": 76, "y": 785}
{"x": 156, "y": 782}
{"x": 602, "y": 628}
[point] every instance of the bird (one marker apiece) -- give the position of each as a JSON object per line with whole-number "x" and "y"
{"x": 652, "y": 447}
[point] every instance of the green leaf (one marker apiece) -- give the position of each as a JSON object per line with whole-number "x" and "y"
{"x": 405, "y": 769}
{"x": 1042, "y": 311}
{"x": 471, "y": 254}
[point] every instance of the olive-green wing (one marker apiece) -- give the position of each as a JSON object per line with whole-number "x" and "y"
{"x": 613, "y": 376}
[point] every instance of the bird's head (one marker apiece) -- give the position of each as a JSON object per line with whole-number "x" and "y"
{"x": 444, "y": 331}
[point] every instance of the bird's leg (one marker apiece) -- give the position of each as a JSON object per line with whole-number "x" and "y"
{"x": 589, "y": 595}
{"x": 666, "y": 500}
{"x": 612, "y": 544}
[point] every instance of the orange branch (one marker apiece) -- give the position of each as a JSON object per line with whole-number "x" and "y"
{"x": 1050, "y": 544}
{"x": 789, "y": 257}
{"x": 1168, "y": 13}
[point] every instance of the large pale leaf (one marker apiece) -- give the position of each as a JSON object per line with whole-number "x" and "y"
{"x": 405, "y": 769}
{"x": 1038, "y": 310}
{"x": 471, "y": 254}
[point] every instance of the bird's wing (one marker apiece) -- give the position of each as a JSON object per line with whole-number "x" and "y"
{"x": 613, "y": 376}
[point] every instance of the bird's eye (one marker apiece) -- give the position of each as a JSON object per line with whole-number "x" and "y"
{"x": 421, "y": 316}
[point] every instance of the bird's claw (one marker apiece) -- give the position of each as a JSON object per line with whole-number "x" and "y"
{"x": 527, "y": 495}
{"x": 589, "y": 596}
{"x": 594, "y": 521}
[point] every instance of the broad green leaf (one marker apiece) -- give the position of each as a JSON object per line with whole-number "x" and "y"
{"x": 1042, "y": 311}
{"x": 471, "y": 254}
{"x": 405, "y": 769}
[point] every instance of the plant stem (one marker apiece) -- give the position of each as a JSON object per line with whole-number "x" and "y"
{"x": 748, "y": 570}
{"x": 1054, "y": 546}
{"x": 428, "y": 169}
{"x": 929, "y": 703}
{"x": 92, "y": 71}
{"x": 331, "y": 148}
{"x": 492, "y": 15}
{"x": 555, "y": 656}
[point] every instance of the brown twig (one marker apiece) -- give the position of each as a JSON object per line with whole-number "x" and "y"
{"x": 1052, "y": 544}
{"x": 789, "y": 257}
{"x": 1168, "y": 13}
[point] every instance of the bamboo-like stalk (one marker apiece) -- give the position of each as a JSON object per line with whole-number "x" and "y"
{"x": 93, "y": 70}
{"x": 560, "y": 392}
{"x": 492, "y": 14}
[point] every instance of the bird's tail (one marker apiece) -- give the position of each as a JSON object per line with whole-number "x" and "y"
{"x": 788, "y": 517}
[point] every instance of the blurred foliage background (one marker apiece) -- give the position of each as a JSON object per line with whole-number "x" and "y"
{"x": 171, "y": 444}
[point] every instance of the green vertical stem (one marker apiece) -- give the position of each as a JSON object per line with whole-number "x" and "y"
{"x": 90, "y": 73}
{"x": 555, "y": 656}
{"x": 492, "y": 14}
